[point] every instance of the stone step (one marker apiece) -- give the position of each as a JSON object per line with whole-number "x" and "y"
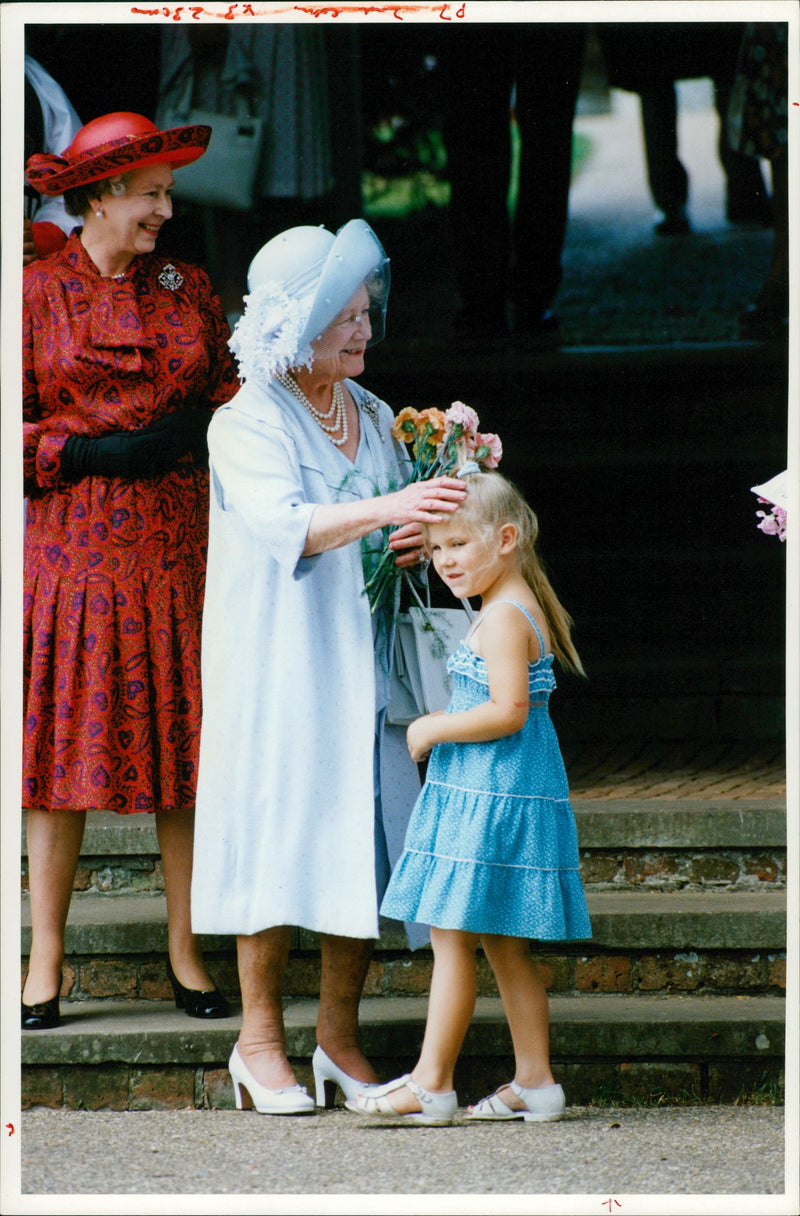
{"x": 602, "y": 823}
{"x": 653, "y": 843}
{"x": 718, "y": 943}
{"x": 680, "y": 823}
{"x": 141, "y": 1055}
{"x": 621, "y": 920}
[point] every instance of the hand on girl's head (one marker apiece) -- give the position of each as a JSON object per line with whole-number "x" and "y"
{"x": 425, "y": 502}
{"x": 447, "y": 493}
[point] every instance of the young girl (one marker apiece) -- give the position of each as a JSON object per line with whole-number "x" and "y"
{"x": 491, "y": 852}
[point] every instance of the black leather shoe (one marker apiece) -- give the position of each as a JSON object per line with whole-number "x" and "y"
{"x": 754, "y": 209}
{"x": 672, "y": 223}
{"x": 196, "y": 1003}
{"x": 44, "y": 1016}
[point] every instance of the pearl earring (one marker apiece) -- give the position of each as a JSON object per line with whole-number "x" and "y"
{"x": 99, "y": 213}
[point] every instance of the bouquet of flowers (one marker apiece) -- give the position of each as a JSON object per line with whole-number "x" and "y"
{"x": 775, "y": 494}
{"x": 439, "y": 443}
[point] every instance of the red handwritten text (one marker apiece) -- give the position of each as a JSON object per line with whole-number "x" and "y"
{"x": 194, "y": 12}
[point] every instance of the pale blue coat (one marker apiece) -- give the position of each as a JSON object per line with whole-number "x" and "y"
{"x": 285, "y": 800}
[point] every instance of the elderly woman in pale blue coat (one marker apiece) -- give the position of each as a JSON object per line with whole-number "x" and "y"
{"x": 297, "y": 788}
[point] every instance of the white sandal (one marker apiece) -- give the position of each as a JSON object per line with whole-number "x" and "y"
{"x": 438, "y": 1110}
{"x": 543, "y": 1105}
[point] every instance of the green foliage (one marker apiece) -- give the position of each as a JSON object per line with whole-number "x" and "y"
{"x": 768, "y": 1092}
{"x": 414, "y": 167}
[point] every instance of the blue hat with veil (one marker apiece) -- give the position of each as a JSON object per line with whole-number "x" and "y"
{"x": 298, "y": 283}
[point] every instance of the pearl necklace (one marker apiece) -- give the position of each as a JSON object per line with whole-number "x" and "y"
{"x": 337, "y": 412}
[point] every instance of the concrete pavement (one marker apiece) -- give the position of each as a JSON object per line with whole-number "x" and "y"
{"x": 595, "y": 1156}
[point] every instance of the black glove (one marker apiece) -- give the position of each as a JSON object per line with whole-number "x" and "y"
{"x": 145, "y": 453}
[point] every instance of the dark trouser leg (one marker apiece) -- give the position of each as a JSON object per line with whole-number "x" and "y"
{"x": 747, "y": 197}
{"x": 666, "y": 176}
{"x": 478, "y": 74}
{"x": 550, "y": 63}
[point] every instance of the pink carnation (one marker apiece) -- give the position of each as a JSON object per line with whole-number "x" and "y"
{"x": 488, "y": 450}
{"x": 774, "y": 524}
{"x": 462, "y": 415}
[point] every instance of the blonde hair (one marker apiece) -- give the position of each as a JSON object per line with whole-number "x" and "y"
{"x": 492, "y": 501}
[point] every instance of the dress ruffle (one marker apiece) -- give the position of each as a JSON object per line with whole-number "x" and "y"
{"x": 439, "y": 881}
{"x": 480, "y": 898}
{"x": 465, "y": 662}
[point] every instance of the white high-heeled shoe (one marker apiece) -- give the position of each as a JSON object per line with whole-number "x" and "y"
{"x": 328, "y": 1075}
{"x": 293, "y": 1100}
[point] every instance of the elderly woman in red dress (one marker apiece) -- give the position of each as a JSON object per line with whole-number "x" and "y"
{"x": 124, "y": 359}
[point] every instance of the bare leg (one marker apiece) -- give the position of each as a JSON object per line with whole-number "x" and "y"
{"x": 262, "y": 1039}
{"x": 525, "y": 1002}
{"x": 175, "y": 839}
{"x": 450, "y": 1008}
{"x": 345, "y": 962}
{"x": 54, "y": 845}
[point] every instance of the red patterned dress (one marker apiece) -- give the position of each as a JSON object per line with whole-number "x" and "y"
{"x": 114, "y": 569}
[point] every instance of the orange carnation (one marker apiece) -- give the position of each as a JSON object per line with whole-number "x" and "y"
{"x": 405, "y": 425}
{"x": 436, "y": 420}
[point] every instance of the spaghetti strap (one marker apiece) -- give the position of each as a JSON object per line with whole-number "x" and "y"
{"x": 522, "y": 609}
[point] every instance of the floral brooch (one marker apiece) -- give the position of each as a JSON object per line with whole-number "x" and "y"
{"x": 170, "y": 277}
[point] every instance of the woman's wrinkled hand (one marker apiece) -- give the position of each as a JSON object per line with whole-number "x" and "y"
{"x": 427, "y": 502}
{"x": 409, "y": 544}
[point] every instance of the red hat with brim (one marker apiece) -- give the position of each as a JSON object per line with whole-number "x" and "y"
{"x": 112, "y": 144}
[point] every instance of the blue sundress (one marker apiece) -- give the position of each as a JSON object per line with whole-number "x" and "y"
{"x": 491, "y": 846}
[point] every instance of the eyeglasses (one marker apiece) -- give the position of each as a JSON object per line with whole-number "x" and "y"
{"x": 357, "y": 318}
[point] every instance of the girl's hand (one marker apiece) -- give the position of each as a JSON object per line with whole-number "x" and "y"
{"x": 420, "y": 737}
{"x": 409, "y": 543}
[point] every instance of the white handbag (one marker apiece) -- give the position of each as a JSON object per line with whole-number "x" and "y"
{"x": 424, "y": 639}
{"x": 225, "y": 175}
